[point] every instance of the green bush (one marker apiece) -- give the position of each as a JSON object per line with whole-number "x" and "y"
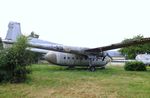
{"x": 1, "y": 44}
{"x": 135, "y": 66}
{"x": 14, "y": 62}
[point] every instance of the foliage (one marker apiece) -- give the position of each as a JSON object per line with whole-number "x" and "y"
{"x": 35, "y": 57}
{"x": 14, "y": 62}
{"x": 135, "y": 66}
{"x": 1, "y": 44}
{"x": 132, "y": 51}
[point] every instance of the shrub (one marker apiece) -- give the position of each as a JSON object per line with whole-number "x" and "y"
{"x": 1, "y": 44}
{"x": 14, "y": 62}
{"x": 135, "y": 66}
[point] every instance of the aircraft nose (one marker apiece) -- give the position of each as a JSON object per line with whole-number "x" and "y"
{"x": 51, "y": 57}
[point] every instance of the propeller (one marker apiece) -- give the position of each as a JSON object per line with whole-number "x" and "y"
{"x": 105, "y": 54}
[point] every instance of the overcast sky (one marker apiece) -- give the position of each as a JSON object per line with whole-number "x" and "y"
{"x": 86, "y": 23}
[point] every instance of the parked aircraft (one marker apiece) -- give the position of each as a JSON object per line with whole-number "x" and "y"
{"x": 67, "y": 55}
{"x": 145, "y": 58}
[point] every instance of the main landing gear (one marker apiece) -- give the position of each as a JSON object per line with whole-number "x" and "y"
{"x": 91, "y": 66}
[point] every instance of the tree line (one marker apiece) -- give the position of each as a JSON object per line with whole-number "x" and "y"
{"x": 132, "y": 51}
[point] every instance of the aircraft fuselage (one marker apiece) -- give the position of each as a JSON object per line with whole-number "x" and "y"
{"x": 68, "y": 59}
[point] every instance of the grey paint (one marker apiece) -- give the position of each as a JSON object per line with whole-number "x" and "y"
{"x": 68, "y": 59}
{"x": 14, "y": 31}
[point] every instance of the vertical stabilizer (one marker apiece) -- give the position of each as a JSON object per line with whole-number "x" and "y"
{"x": 14, "y": 31}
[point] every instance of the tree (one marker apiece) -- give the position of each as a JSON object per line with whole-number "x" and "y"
{"x": 1, "y": 44}
{"x": 132, "y": 51}
{"x": 14, "y": 62}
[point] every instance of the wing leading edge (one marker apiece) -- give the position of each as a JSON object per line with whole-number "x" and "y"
{"x": 120, "y": 45}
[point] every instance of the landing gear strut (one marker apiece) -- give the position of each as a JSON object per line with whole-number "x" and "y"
{"x": 91, "y": 66}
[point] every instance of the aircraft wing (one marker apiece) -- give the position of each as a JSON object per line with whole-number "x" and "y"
{"x": 79, "y": 50}
{"x": 119, "y": 45}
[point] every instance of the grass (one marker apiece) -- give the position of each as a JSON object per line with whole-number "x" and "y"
{"x": 58, "y": 82}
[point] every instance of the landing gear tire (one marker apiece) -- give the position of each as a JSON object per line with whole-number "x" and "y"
{"x": 92, "y": 68}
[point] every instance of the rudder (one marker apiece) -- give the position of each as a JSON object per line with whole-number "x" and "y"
{"x": 14, "y": 31}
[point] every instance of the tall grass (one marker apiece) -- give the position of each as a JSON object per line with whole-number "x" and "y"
{"x": 58, "y": 82}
